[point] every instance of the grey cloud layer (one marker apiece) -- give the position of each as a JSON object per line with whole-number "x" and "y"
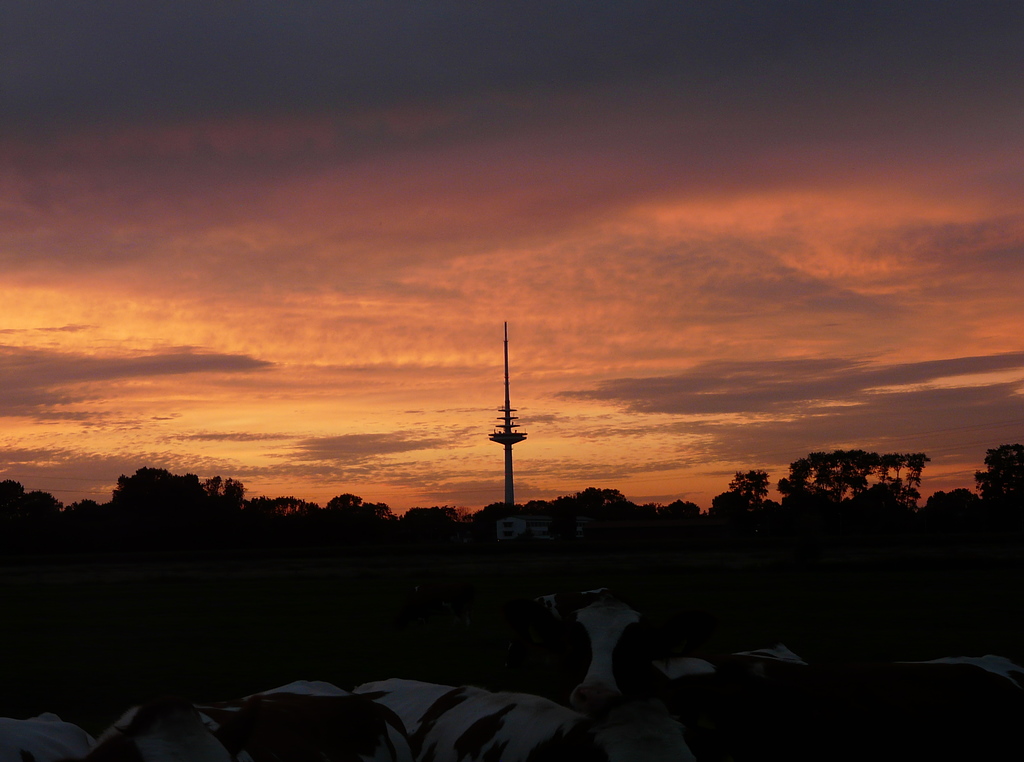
{"x": 795, "y": 407}
{"x": 36, "y": 378}
{"x": 975, "y": 420}
{"x": 59, "y": 59}
{"x": 360, "y": 447}
{"x": 775, "y": 386}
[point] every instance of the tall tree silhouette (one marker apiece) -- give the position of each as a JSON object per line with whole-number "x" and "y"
{"x": 1002, "y": 486}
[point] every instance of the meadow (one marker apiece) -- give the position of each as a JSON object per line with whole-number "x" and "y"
{"x": 87, "y": 638}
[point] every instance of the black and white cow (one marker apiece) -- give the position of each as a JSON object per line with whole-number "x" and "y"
{"x": 770, "y": 704}
{"x": 560, "y": 606}
{"x": 299, "y": 722}
{"x": 307, "y": 720}
{"x": 436, "y": 598}
{"x": 468, "y": 724}
{"x": 606, "y": 647}
{"x": 164, "y": 730}
{"x": 44, "y": 738}
{"x": 757, "y": 662}
{"x": 761, "y": 709}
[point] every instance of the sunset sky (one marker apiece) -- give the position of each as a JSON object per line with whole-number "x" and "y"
{"x": 276, "y": 241}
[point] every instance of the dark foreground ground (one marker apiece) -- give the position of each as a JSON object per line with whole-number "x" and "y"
{"x": 88, "y": 637}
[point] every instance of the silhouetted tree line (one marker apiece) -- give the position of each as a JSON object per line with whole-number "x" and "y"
{"x": 155, "y": 509}
{"x": 592, "y": 503}
{"x": 843, "y": 492}
{"x": 853, "y": 492}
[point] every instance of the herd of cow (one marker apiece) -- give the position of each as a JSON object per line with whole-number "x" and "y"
{"x": 636, "y": 691}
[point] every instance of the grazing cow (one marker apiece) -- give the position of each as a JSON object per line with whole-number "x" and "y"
{"x": 434, "y": 598}
{"x": 997, "y": 665}
{"x": 607, "y": 648}
{"x": 758, "y": 661}
{"x": 299, "y": 722}
{"x": 947, "y": 709}
{"x": 468, "y": 724}
{"x": 561, "y": 605}
{"x": 45, "y": 738}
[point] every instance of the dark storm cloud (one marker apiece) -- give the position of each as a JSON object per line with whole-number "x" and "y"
{"x": 35, "y": 378}
{"x": 777, "y": 386}
{"x": 68, "y": 59}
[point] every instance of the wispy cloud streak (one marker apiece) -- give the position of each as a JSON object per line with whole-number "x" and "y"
{"x": 36, "y": 378}
{"x": 785, "y": 385}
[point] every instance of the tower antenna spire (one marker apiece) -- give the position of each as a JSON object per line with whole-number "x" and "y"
{"x": 505, "y": 433}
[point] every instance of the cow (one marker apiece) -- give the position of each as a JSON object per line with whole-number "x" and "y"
{"x": 166, "y": 730}
{"x": 758, "y": 661}
{"x": 607, "y": 648}
{"x": 946, "y": 709}
{"x": 435, "y": 598}
{"x": 560, "y": 606}
{"x": 44, "y": 738}
{"x": 298, "y": 722}
{"x": 470, "y": 724}
{"x": 313, "y": 720}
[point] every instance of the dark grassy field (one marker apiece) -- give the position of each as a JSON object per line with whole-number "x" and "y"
{"x": 88, "y": 639}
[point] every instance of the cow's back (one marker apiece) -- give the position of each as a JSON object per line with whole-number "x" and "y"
{"x": 469, "y": 724}
{"x": 43, "y": 739}
{"x": 854, "y": 711}
{"x": 316, "y": 722}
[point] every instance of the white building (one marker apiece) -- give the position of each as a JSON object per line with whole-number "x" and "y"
{"x": 537, "y": 527}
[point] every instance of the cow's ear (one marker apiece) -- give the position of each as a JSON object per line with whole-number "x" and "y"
{"x": 684, "y": 632}
{"x": 533, "y": 623}
{"x": 235, "y": 733}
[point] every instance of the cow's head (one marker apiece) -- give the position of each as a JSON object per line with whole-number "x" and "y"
{"x": 607, "y": 647}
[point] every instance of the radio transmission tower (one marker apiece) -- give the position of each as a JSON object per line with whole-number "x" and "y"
{"x": 505, "y": 433}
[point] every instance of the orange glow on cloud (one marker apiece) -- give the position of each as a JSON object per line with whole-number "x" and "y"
{"x": 312, "y": 303}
